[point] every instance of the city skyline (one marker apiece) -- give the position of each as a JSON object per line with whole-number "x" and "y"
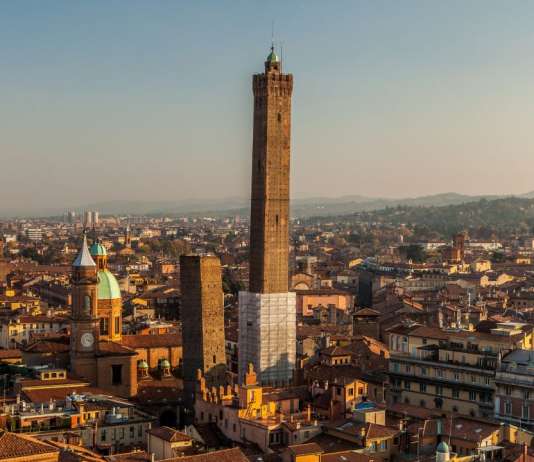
{"x": 110, "y": 93}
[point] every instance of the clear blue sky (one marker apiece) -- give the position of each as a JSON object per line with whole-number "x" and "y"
{"x": 103, "y": 100}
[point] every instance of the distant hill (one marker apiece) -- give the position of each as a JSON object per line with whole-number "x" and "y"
{"x": 300, "y": 207}
{"x": 483, "y": 218}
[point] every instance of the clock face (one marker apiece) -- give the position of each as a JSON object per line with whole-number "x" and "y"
{"x": 87, "y": 340}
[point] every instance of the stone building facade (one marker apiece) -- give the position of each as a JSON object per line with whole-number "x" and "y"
{"x": 202, "y": 319}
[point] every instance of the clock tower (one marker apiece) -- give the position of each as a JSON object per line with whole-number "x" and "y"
{"x": 84, "y": 319}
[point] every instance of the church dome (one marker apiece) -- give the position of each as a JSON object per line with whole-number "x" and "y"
{"x": 98, "y": 250}
{"x": 108, "y": 287}
{"x": 443, "y": 447}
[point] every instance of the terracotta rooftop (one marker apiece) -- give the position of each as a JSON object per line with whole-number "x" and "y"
{"x": 346, "y": 456}
{"x": 113, "y": 349}
{"x": 169, "y": 434}
{"x": 15, "y": 445}
{"x": 368, "y": 312}
{"x": 136, "y": 456}
{"x": 152, "y": 341}
{"x": 226, "y": 455}
{"x": 306, "y": 448}
{"x": 10, "y": 354}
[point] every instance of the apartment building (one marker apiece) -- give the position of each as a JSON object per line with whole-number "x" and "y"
{"x": 452, "y": 370}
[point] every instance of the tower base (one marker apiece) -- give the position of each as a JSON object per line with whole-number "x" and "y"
{"x": 267, "y": 336}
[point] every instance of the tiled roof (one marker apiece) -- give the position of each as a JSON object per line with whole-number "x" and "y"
{"x": 47, "y": 347}
{"x": 136, "y": 456}
{"x": 44, "y": 395}
{"x": 367, "y": 312}
{"x": 15, "y": 445}
{"x": 152, "y": 341}
{"x": 10, "y": 354}
{"x": 335, "y": 351}
{"x": 346, "y": 456}
{"x": 306, "y": 448}
{"x": 169, "y": 434}
{"x": 113, "y": 349}
{"x": 226, "y": 455}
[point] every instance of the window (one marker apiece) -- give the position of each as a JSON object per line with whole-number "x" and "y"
{"x": 86, "y": 304}
{"x": 104, "y": 326}
{"x": 508, "y": 390}
{"x": 396, "y": 367}
{"x": 408, "y": 368}
{"x": 457, "y": 376}
{"x": 103, "y": 434}
{"x": 508, "y": 407}
{"x": 139, "y": 431}
{"x": 526, "y": 394}
{"x": 439, "y": 390}
{"x": 423, "y": 371}
{"x": 422, "y": 387}
{"x": 525, "y": 412}
{"x": 117, "y": 325}
{"x": 279, "y": 117}
{"x": 439, "y": 372}
{"x": 472, "y": 396}
{"x": 473, "y": 379}
{"x": 407, "y": 384}
{"x": 455, "y": 393}
{"x": 351, "y": 391}
{"x": 116, "y": 374}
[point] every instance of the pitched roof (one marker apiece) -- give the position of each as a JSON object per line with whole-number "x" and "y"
{"x": 367, "y": 312}
{"x": 15, "y": 445}
{"x": 10, "y": 354}
{"x": 346, "y": 456}
{"x": 226, "y": 455}
{"x": 114, "y": 349}
{"x": 169, "y": 434}
{"x": 306, "y": 448}
{"x": 152, "y": 341}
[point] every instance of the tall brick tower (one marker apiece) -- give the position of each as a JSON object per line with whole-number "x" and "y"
{"x": 202, "y": 314}
{"x": 84, "y": 319}
{"x": 267, "y": 311}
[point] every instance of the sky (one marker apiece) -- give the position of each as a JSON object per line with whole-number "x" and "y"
{"x": 151, "y": 100}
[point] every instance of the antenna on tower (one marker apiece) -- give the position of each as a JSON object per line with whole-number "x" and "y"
{"x": 281, "y": 55}
{"x": 272, "y": 35}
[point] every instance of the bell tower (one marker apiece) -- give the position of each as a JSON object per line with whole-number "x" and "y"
{"x": 84, "y": 318}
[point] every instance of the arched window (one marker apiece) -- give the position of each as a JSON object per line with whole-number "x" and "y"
{"x": 87, "y": 304}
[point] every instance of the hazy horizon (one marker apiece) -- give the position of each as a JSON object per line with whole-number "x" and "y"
{"x": 106, "y": 101}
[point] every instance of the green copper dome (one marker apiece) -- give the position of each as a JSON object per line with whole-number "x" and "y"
{"x": 98, "y": 250}
{"x": 273, "y": 57}
{"x": 443, "y": 447}
{"x": 108, "y": 287}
